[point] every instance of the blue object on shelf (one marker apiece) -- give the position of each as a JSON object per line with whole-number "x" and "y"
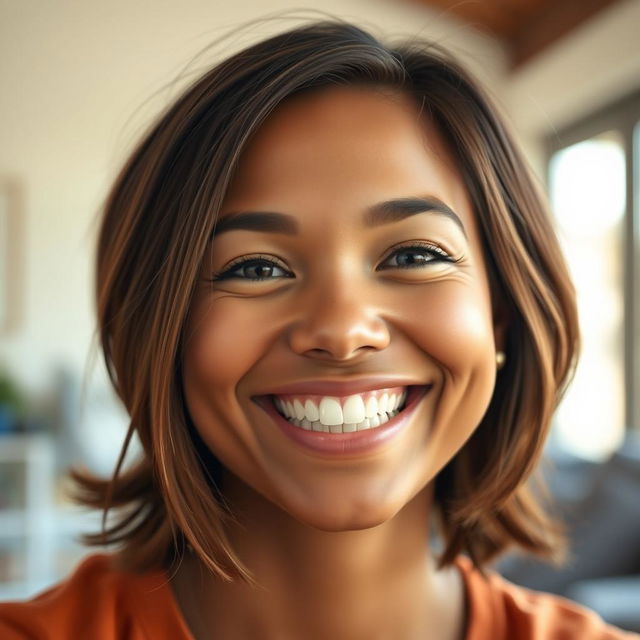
{"x": 8, "y": 420}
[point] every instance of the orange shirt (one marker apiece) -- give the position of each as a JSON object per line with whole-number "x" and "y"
{"x": 98, "y": 603}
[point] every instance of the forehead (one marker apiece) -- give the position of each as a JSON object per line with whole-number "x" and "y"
{"x": 343, "y": 149}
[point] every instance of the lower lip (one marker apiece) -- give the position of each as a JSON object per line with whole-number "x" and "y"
{"x": 344, "y": 444}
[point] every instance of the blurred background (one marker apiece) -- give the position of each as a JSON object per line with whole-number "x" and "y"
{"x": 80, "y": 82}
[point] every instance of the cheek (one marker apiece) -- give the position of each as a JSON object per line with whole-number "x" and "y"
{"x": 453, "y": 325}
{"x": 226, "y": 339}
{"x": 219, "y": 349}
{"x": 456, "y": 333}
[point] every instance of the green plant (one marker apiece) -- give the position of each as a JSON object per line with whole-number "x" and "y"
{"x": 11, "y": 396}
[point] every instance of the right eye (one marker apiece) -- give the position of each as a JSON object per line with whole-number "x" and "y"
{"x": 252, "y": 269}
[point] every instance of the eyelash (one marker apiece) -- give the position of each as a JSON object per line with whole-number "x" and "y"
{"x": 433, "y": 250}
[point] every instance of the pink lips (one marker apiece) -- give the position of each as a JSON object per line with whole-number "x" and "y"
{"x": 341, "y": 444}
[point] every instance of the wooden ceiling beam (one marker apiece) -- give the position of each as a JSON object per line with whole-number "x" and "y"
{"x": 525, "y": 27}
{"x": 553, "y": 21}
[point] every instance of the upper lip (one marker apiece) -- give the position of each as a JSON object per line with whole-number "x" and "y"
{"x": 340, "y": 387}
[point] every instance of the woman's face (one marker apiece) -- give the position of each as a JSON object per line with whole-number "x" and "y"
{"x": 346, "y": 261}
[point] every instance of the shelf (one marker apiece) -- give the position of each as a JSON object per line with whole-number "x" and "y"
{"x": 27, "y": 515}
{"x": 25, "y": 446}
{"x": 39, "y": 539}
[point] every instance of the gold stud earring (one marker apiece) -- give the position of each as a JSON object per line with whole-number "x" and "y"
{"x": 501, "y": 358}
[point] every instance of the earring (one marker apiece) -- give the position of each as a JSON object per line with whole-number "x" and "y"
{"x": 501, "y": 358}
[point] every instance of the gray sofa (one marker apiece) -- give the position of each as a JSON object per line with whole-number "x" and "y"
{"x": 600, "y": 503}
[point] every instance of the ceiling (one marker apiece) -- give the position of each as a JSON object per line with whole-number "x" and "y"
{"x": 525, "y": 27}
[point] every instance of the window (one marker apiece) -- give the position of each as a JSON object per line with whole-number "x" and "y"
{"x": 594, "y": 172}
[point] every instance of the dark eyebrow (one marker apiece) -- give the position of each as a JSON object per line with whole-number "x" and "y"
{"x": 401, "y": 208}
{"x": 269, "y": 221}
{"x": 379, "y": 214}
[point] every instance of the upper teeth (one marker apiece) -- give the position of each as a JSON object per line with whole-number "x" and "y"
{"x": 332, "y": 411}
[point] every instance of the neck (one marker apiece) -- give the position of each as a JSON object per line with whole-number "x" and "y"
{"x": 378, "y": 582}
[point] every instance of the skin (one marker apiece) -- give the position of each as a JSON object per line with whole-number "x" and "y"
{"x": 338, "y": 544}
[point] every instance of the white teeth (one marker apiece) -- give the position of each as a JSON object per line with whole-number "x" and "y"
{"x": 311, "y": 411}
{"x": 343, "y": 428}
{"x": 353, "y": 410}
{"x": 330, "y": 412}
{"x": 289, "y": 411}
{"x": 330, "y": 417}
{"x": 299, "y": 409}
{"x": 372, "y": 407}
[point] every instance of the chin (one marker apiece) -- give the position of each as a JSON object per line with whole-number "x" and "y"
{"x": 345, "y": 517}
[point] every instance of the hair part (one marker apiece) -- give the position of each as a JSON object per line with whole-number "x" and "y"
{"x": 158, "y": 221}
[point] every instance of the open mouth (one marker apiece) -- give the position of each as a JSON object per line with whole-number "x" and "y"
{"x": 358, "y": 412}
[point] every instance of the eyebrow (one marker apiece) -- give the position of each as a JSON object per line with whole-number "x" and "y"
{"x": 401, "y": 208}
{"x": 377, "y": 215}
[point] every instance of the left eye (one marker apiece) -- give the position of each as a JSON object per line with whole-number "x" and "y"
{"x": 417, "y": 256}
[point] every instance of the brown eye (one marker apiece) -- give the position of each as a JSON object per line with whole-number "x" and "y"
{"x": 417, "y": 256}
{"x": 254, "y": 269}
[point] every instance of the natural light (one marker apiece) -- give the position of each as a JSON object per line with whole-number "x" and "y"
{"x": 587, "y": 187}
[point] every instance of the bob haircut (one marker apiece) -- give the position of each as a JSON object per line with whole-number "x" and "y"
{"x": 158, "y": 221}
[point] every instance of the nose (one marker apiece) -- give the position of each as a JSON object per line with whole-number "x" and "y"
{"x": 340, "y": 323}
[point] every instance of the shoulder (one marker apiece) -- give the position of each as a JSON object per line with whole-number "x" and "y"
{"x": 498, "y": 608}
{"x": 99, "y": 602}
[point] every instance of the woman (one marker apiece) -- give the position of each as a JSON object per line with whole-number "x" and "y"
{"x": 331, "y": 300}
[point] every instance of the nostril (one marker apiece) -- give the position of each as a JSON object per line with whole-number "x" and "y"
{"x": 320, "y": 352}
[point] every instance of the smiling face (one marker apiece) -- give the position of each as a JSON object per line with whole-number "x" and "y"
{"x": 346, "y": 260}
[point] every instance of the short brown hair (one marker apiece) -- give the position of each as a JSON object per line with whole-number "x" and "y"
{"x": 157, "y": 223}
